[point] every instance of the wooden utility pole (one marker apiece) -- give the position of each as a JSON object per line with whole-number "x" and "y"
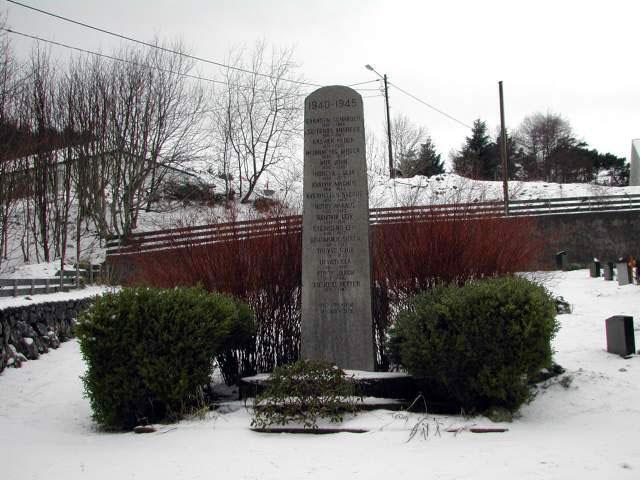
{"x": 503, "y": 154}
{"x": 392, "y": 173}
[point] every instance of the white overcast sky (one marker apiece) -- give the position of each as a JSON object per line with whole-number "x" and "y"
{"x": 580, "y": 59}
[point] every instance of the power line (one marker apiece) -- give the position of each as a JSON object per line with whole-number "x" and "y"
{"x": 164, "y": 49}
{"x": 118, "y": 59}
{"x": 123, "y": 60}
{"x": 168, "y": 50}
{"x": 130, "y": 62}
{"x": 431, "y": 106}
{"x": 363, "y": 83}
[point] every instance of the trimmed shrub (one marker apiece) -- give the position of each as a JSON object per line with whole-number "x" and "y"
{"x": 149, "y": 351}
{"x": 304, "y": 392}
{"x": 477, "y": 345}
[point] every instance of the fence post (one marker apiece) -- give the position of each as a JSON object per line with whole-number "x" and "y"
{"x": 46, "y": 283}
{"x": 33, "y": 285}
{"x": 15, "y": 287}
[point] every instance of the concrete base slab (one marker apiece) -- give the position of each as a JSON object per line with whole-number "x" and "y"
{"x": 381, "y": 385}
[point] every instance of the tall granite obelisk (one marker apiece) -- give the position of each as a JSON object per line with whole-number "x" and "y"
{"x": 337, "y": 323}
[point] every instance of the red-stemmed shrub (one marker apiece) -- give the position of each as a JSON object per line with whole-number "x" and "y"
{"x": 264, "y": 270}
{"x": 415, "y": 256}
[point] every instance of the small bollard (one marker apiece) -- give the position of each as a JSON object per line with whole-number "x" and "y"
{"x": 594, "y": 269}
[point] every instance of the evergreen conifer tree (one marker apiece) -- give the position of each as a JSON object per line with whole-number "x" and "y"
{"x": 427, "y": 162}
{"x": 478, "y": 158}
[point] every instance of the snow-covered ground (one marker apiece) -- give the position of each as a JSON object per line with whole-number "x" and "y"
{"x": 39, "y": 270}
{"x": 584, "y": 424}
{"x": 449, "y": 188}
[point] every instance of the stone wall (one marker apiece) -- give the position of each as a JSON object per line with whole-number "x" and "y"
{"x": 604, "y": 235}
{"x": 26, "y": 332}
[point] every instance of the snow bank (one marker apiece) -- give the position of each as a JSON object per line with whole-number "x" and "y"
{"x": 87, "y": 292}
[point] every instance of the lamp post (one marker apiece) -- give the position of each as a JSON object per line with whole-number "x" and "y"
{"x": 503, "y": 153}
{"x": 392, "y": 173}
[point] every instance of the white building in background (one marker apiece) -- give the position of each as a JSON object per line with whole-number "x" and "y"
{"x": 634, "y": 175}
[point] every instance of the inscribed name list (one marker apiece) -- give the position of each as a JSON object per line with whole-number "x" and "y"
{"x": 336, "y": 273}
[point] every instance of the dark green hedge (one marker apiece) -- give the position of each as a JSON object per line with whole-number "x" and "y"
{"x": 477, "y": 345}
{"x": 148, "y": 351}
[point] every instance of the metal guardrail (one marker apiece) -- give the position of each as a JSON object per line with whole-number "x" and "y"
{"x": 574, "y": 204}
{"x": 203, "y": 234}
{"x": 13, "y": 287}
{"x": 220, "y": 232}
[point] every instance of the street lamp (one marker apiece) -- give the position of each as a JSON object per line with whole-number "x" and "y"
{"x": 392, "y": 173}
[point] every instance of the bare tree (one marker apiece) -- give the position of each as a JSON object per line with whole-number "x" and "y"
{"x": 155, "y": 123}
{"x": 258, "y": 115}
{"x": 10, "y": 138}
{"x": 65, "y": 118}
{"x": 221, "y": 121}
{"x": 42, "y": 165}
{"x": 540, "y": 135}
{"x": 100, "y": 134}
{"x": 92, "y": 174}
{"x": 406, "y": 137}
{"x": 177, "y": 130}
{"x": 377, "y": 163}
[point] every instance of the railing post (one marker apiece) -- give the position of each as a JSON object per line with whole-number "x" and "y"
{"x": 15, "y": 287}
{"x": 46, "y": 284}
{"x": 33, "y": 284}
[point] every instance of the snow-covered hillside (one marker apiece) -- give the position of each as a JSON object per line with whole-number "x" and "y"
{"x": 450, "y": 188}
{"x": 383, "y": 192}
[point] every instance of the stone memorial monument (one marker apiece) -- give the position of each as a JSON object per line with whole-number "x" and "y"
{"x": 337, "y": 323}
